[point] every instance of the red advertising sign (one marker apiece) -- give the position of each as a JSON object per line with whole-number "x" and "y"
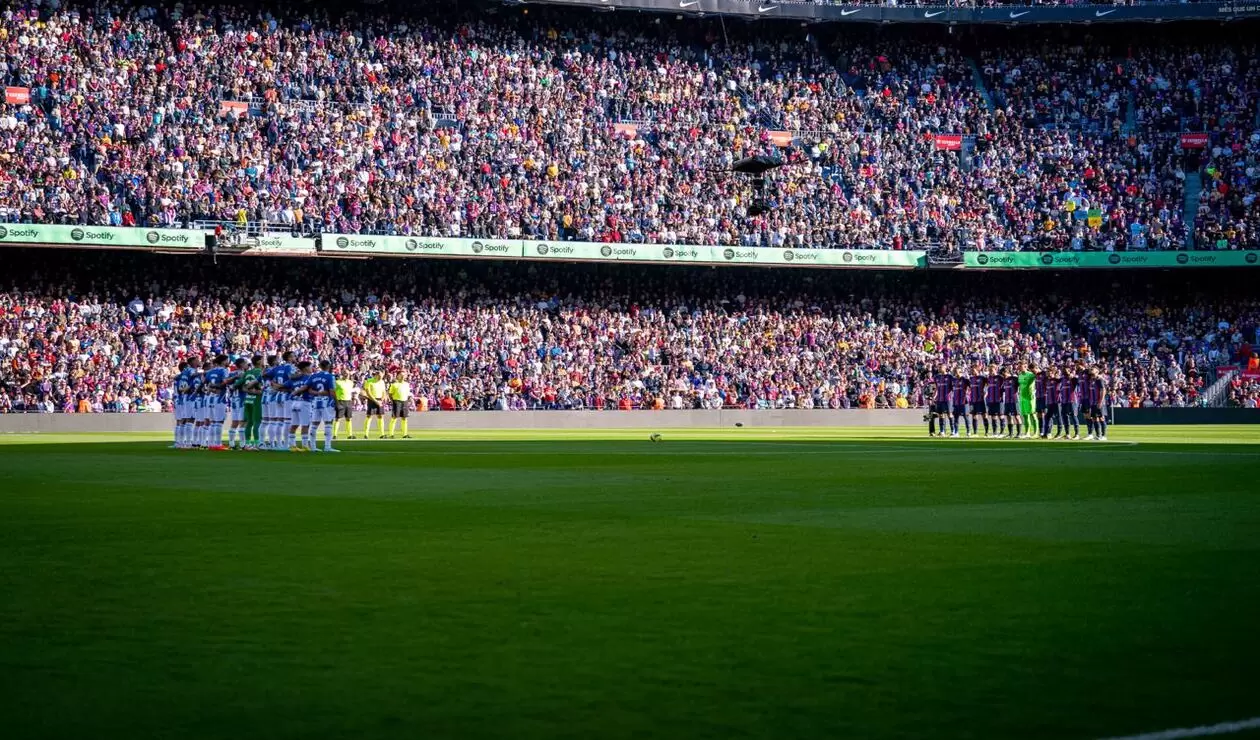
{"x": 949, "y": 142}
{"x": 17, "y": 95}
{"x": 233, "y": 108}
{"x": 1194, "y": 141}
{"x": 628, "y": 130}
{"x": 1224, "y": 370}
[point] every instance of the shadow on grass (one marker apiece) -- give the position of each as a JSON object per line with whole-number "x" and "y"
{"x": 699, "y": 443}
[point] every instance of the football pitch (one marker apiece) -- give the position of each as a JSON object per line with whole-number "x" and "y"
{"x": 743, "y": 583}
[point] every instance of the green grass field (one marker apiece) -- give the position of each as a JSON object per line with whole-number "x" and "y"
{"x": 741, "y": 584}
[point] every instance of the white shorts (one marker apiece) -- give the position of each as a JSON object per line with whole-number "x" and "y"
{"x": 238, "y": 411}
{"x": 323, "y": 413}
{"x": 216, "y": 410}
{"x": 300, "y": 413}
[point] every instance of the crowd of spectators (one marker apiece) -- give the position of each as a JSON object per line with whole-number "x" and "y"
{"x": 446, "y": 120}
{"x": 1244, "y": 393}
{"x": 106, "y": 331}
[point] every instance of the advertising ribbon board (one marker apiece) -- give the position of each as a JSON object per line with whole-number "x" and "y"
{"x": 282, "y": 245}
{"x": 1073, "y": 260}
{"x": 595, "y": 251}
{"x": 101, "y": 236}
{"x": 418, "y": 246}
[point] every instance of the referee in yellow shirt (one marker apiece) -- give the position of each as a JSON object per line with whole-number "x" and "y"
{"x": 374, "y": 389}
{"x": 343, "y": 394}
{"x": 400, "y": 403}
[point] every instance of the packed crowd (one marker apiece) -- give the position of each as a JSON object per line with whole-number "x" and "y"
{"x": 544, "y": 124}
{"x": 1244, "y": 393}
{"x": 106, "y": 333}
{"x": 1213, "y": 89}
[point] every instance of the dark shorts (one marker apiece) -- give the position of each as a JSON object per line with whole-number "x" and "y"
{"x": 995, "y": 409}
{"x": 343, "y": 410}
{"x": 1052, "y": 409}
{"x": 399, "y": 409}
{"x": 976, "y": 408}
{"x": 1069, "y": 410}
{"x": 961, "y": 409}
{"x": 374, "y": 408}
{"x": 1091, "y": 409}
{"x": 940, "y": 407}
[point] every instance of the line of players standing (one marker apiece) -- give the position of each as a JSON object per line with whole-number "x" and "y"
{"x": 276, "y": 407}
{"x": 1055, "y": 401}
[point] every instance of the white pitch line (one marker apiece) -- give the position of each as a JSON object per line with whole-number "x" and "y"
{"x": 1224, "y": 728}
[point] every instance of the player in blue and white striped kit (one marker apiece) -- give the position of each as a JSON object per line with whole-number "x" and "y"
{"x": 276, "y": 430}
{"x": 236, "y": 404}
{"x": 215, "y": 391}
{"x": 183, "y": 407}
{"x": 197, "y": 380}
{"x": 320, "y": 387}
{"x": 268, "y": 403}
{"x": 298, "y": 391}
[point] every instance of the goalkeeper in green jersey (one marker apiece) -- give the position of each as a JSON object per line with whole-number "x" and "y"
{"x": 1027, "y": 400}
{"x": 251, "y": 383}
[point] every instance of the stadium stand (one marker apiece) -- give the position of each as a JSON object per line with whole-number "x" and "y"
{"x": 451, "y": 121}
{"x": 105, "y": 332}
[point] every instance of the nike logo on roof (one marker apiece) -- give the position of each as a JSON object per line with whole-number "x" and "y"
{"x": 850, "y": 12}
{"x": 931, "y": 14}
{"x": 766, "y": 8}
{"x": 1016, "y": 15}
{"x": 683, "y": 4}
{"x": 1101, "y": 13}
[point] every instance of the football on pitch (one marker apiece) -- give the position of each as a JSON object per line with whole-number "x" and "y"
{"x": 655, "y": 437}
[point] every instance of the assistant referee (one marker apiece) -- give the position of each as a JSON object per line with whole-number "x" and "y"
{"x": 374, "y": 389}
{"x": 343, "y": 394}
{"x": 400, "y": 403}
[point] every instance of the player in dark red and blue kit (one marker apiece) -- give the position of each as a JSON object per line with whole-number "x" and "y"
{"x": 1096, "y": 407}
{"x": 1082, "y": 388}
{"x": 1069, "y": 404}
{"x": 1010, "y": 403}
{"x": 992, "y": 403}
{"x": 1051, "y": 418}
{"x": 959, "y": 393}
{"x": 977, "y": 401}
{"x": 1041, "y": 405}
{"x": 939, "y": 416}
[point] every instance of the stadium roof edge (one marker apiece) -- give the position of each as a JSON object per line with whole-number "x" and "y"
{"x": 811, "y": 12}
